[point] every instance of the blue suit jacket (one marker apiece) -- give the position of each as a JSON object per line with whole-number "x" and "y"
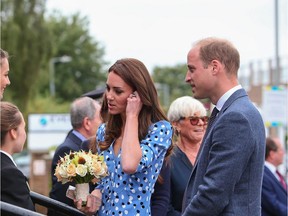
{"x": 58, "y": 191}
{"x": 227, "y": 177}
{"x": 274, "y": 196}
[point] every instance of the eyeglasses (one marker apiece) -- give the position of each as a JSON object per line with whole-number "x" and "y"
{"x": 195, "y": 120}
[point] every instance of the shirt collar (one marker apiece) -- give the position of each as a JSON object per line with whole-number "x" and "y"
{"x": 8, "y": 155}
{"x": 79, "y": 135}
{"x": 225, "y": 97}
{"x": 270, "y": 166}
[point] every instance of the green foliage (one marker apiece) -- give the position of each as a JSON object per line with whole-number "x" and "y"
{"x": 26, "y": 37}
{"x": 48, "y": 105}
{"x": 33, "y": 39}
{"x": 82, "y": 74}
{"x": 171, "y": 79}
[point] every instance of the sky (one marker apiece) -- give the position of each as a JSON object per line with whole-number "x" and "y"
{"x": 161, "y": 32}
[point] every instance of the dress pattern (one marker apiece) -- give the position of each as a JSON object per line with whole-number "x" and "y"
{"x": 130, "y": 194}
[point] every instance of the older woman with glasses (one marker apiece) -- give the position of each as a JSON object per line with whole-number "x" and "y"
{"x": 189, "y": 119}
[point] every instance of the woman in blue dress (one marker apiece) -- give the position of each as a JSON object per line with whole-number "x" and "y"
{"x": 134, "y": 139}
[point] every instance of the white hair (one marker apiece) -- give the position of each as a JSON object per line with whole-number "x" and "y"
{"x": 184, "y": 107}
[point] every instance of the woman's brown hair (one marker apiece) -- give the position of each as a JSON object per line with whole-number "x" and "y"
{"x": 10, "y": 118}
{"x": 136, "y": 75}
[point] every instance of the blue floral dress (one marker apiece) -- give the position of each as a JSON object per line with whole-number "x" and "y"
{"x": 130, "y": 194}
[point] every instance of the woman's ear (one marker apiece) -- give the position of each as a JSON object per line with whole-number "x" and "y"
{"x": 175, "y": 127}
{"x": 174, "y": 124}
{"x": 13, "y": 133}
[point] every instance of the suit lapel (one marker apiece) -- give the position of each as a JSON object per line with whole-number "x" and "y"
{"x": 273, "y": 178}
{"x": 237, "y": 94}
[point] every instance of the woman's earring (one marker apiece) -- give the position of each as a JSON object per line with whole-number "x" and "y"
{"x": 177, "y": 132}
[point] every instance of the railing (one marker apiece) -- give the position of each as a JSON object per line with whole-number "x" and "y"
{"x": 55, "y": 205}
{"x": 8, "y": 209}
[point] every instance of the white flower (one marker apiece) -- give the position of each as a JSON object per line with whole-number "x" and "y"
{"x": 81, "y": 170}
{"x": 81, "y": 167}
{"x": 63, "y": 171}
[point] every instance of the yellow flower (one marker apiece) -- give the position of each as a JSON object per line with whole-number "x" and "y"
{"x": 63, "y": 171}
{"x": 97, "y": 169}
{"x": 57, "y": 174}
{"x": 71, "y": 170}
{"x": 81, "y": 167}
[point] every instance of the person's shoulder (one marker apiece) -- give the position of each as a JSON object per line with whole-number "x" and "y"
{"x": 102, "y": 127}
{"x": 4, "y": 157}
{"x": 10, "y": 171}
{"x": 162, "y": 124}
{"x": 62, "y": 150}
{"x": 163, "y": 128}
{"x": 101, "y": 132}
{"x": 6, "y": 162}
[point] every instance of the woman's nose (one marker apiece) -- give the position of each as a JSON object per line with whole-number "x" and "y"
{"x": 109, "y": 96}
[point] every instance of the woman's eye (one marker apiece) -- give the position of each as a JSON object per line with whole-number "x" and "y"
{"x": 118, "y": 92}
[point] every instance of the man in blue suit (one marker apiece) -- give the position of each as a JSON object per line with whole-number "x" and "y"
{"x": 85, "y": 119}
{"x": 227, "y": 176}
{"x": 274, "y": 194}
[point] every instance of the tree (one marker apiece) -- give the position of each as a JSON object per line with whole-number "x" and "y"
{"x": 26, "y": 37}
{"x": 84, "y": 72}
{"x": 173, "y": 79}
{"x": 33, "y": 39}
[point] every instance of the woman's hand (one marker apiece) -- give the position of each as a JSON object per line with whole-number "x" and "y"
{"x": 94, "y": 201}
{"x": 131, "y": 152}
{"x": 134, "y": 104}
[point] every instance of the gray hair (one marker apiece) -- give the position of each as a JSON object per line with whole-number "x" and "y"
{"x": 184, "y": 107}
{"x": 81, "y": 108}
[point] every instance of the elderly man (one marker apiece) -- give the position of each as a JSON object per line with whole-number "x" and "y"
{"x": 85, "y": 119}
{"x": 274, "y": 188}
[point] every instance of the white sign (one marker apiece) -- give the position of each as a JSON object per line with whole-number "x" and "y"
{"x": 275, "y": 99}
{"x": 47, "y": 130}
{"x": 49, "y": 122}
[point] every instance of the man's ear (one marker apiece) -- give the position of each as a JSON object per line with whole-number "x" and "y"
{"x": 86, "y": 123}
{"x": 13, "y": 133}
{"x": 216, "y": 66}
